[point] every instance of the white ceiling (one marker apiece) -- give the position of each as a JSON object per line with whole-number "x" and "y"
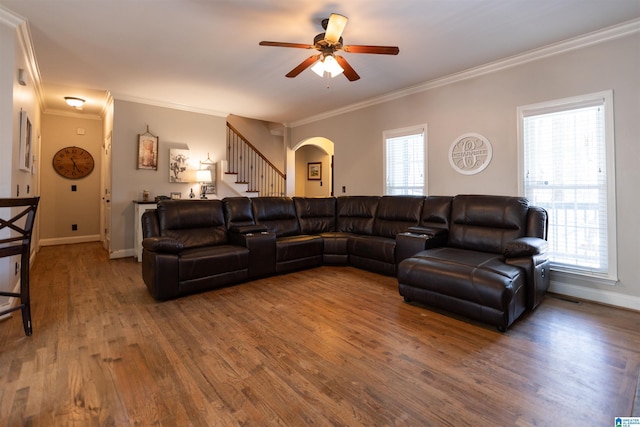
{"x": 204, "y": 55}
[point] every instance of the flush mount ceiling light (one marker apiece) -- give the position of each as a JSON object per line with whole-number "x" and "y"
{"x": 74, "y": 102}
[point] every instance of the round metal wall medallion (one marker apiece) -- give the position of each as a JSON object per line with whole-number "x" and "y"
{"x": 470, "y": 153}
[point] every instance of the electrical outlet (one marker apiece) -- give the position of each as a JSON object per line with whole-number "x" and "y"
{"x": 344, "y": 189}
{"x": 74, "y": 227}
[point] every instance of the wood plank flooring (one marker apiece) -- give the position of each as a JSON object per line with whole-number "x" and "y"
{"x": 327, "y": 346}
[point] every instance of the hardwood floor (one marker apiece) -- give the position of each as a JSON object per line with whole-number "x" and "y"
{"x": 328, "y": 346}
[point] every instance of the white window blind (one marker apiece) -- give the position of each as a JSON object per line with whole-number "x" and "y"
{"x": 568, "y": 170}
{"x": 404, "y": 162}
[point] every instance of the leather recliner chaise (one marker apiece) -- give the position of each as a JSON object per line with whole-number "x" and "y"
{"x": 493, "y": 266}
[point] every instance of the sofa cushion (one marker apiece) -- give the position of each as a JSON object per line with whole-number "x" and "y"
{"x": 195, "y": 223}
{"x": 373, "y": 247}
{"x": 395, "y": 214}
{"x": 478, "y": 277}
{"x": 487, "y": 223}
{"x": 278, "y": 214}
{"x": 238, "y": 212}
{"x": 436, "y": 211}
{"x": 355, "y": 214}
{"x": 316, "y": 214}
{"x": 297, "y": 247}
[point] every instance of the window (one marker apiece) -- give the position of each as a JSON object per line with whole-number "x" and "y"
{"x": 567, "y": 167}
{"x": 404, "y": 161}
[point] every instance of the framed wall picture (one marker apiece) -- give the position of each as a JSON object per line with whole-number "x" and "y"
{"x": 178, "y": 165}
{"x": 314, "y": 171}
{"x": 209, "y": 164}
{"x": 26, "y": 135}
{"x": 147, "y": 151}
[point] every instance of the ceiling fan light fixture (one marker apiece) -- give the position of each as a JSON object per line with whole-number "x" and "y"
{"x": 318, "y": 68}
{"x": 328, "y": 64}
{"x": 332, "y": 67}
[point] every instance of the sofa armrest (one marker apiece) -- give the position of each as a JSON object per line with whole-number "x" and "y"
{"x": 244, "y": 229}
{"x": 162, "y": 244}
{"x": 526, "y": 247}
{"x": 238, "y": 233}
{"x": 530, "y": 254}
{"x": 428, "y": 231}
{"x": 417, "y": 239}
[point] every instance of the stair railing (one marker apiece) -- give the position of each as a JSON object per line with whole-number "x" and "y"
{"x": 252, "y": 167}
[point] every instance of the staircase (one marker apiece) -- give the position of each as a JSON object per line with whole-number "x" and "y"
{"x": 248, "y": 171}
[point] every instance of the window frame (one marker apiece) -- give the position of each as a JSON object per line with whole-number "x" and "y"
{"x": 604, "y": 98}
{"x": 395, "y": 133}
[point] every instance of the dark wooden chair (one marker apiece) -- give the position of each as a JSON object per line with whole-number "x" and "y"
{"x": 15, "y": 239}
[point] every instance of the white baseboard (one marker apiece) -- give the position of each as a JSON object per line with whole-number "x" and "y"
{"x": 596, "y": 295}
{"x": 69, "y": 240}
{"x": 123, "y": 253}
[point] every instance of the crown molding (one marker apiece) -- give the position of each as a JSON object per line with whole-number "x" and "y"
{"x": 63, "y": 113}
{"x": 25, "y": 41}
{"x": 589, "y": 39}
{"x": 10, "y": 18}
{"x": 173, "y": 106}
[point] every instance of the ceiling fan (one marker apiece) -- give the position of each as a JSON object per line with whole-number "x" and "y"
{"x": 327, "y": 44}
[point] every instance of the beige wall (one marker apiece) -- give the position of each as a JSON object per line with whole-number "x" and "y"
{"x": 487, "y": 105}
{"x": 60, "y": 207}
{"x": 15, "y": 98}
{"x": 201, "y": 134}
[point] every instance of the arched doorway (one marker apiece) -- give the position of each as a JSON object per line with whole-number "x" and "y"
{"x": 313, "y": 167}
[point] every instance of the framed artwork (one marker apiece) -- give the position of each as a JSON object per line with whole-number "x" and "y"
{"x": 209, "y": 164}
{"x": 26, "y": 134}
{"x": 176, "y": 195}
{"x": 314, "y": 171}
{"x": 147, "y": 151}
{"x": 178, "y": 165}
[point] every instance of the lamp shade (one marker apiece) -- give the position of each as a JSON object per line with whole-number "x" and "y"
{"x": 203, "y": 175}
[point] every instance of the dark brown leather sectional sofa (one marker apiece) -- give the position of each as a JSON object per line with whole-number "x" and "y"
{"x": 479, "y": 256}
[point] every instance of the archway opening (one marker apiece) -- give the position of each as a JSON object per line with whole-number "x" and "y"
{"x": 313, "y": 167}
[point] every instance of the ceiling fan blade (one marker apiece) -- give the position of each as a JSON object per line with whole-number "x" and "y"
{"x": 335, "y": 27}
{"x": 303, "y": 66}
{"x": 381, "y": 50}
{"x": 349, "y": 72}
{"x": 283, "y": 44}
